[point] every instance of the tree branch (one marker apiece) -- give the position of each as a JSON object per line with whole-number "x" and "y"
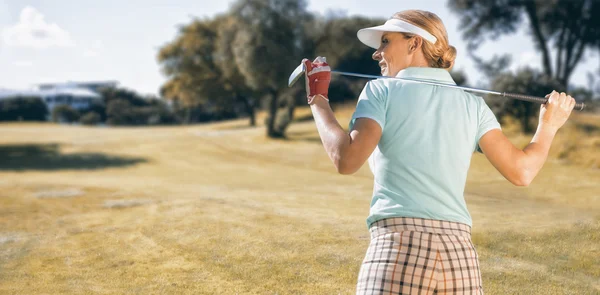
{"x": 560, "y": 44}
{"x": 574, "y": 61}
{"x": 530, "y": 9}
{"x": 571, "y": 43}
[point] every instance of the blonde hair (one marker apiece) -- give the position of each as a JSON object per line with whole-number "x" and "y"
{"x": 439, "y": 55}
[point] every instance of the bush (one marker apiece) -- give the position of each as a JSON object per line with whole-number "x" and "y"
{"x": 164, "y": 114}
{"x": 97, "y": 108}
{"x": 339, "y": 91}
{"x": 65, "y": 114}
{"x": 90, "y": 118}
{"x": 23, "y": 108}
{"x": 525, "y": 81}
{"x": 122, "y": 112}
{"x": 118, "y": 112}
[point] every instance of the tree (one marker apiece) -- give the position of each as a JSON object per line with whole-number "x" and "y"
{"x": 568, "y": 26}
{"x": 23, "y": 108}
{"x": 335, "y": 39}
{"x": 527, "y": 81}
{"x": 125, "y": 107}
{"x": 587, "y": 96}
{"x": 232, "y": 79}
{"x": 201, "y": 71}
{"x": 561, "y": 30}
{"x": 110, "y": 94}
{"x": 65, "y": 114}
{"x": 460, "y": 77}
{"x": 268, "y": 46}
{"x": 90, "y": 118}
{"x": 188, "y": 62}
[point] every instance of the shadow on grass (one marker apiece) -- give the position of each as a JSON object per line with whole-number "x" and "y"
{"x": 47, "y": 157}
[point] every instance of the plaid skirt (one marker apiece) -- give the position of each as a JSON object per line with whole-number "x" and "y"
{"x": 419, "y": 256}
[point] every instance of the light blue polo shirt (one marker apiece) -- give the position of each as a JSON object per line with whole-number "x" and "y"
{"x": 429, "y": 135}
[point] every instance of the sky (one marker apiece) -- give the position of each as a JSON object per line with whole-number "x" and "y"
{"x": 48, "y": 41}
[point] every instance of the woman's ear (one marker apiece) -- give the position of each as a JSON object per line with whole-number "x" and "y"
{"x": 415, "y": 43}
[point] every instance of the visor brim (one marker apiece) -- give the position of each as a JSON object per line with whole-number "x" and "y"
{"x": 372, "y": 36}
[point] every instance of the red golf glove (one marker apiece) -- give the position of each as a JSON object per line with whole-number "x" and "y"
{"x": 317, "y": 75}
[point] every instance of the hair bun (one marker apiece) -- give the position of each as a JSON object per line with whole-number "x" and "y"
{"x": 447, "y": 59}
{"x": 439, "y": 54}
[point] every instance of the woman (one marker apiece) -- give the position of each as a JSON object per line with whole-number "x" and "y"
{"x": 419, "y": 140}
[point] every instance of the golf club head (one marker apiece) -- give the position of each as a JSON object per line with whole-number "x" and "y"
{"x": 296, "y": 74}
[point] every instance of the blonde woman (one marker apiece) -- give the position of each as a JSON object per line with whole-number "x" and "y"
{"x": 418, "y": 140}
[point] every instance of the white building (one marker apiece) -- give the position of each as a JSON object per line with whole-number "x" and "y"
{"x": 78, "y": 95}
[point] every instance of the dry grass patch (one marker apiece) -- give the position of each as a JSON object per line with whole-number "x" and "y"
{"x": 220, "y": 209}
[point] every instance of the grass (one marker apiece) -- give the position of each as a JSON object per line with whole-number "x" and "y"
{"x": 219, "y": 209}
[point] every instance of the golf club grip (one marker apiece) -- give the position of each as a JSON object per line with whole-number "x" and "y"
{"x": 578, "y": 106}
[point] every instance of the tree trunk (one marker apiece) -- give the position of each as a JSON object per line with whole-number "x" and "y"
{"x": 249, "y": 108}
{"x": 252, "y": 115}
{"x": 290, "y": 109}
{"x": 273, "y": 104}
{"x": 188, "y": 115}
{"x": 540, "y": 39}
{"x": 526, "y": 126}
{"x": 284, "y": 121}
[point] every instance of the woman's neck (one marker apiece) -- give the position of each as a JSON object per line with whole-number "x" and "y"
{"x": 419, "y": 61}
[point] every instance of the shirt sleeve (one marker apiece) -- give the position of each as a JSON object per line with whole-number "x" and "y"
{"x": 487, "y": 122}
{"x": 371, "y": 103}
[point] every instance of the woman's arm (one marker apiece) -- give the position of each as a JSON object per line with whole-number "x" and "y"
{"x": 521, "y": 166}
{"x": 347, "y": 151}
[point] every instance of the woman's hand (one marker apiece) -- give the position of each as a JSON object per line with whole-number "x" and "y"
{"x": 317, "y": 75}
{"x": 521, "y": 166}
{"x": 555, "y": 112}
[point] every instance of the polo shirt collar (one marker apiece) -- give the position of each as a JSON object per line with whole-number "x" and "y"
{"x": 429, "y": 74}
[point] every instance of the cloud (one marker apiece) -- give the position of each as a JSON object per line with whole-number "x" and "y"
{"x": 94, "y": 50}
{"x": 32, "y": 30}
{"x": 90, "y": 53}
{"x": 23, "y": 63}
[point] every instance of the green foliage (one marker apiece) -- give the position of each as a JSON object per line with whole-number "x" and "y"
{"x": 240, "y": 61}
{"x": 163, "y": 114}
{"x": 336, "y": 39}
{"x": 460, "y": 77}
{"x": 123, "y": 112}
{"x": 118, "y": 112}
{"x": 266, "y": 45}
{"x": 126, "y": 107}
{"x": 23, "y": 108}
{"x": 98, "y": 108}
{"x": 227, "y": 64}
{"x": 91, "y": 118}
{"x": 340, "y": 90}
{"x": 110, "y": 94}
{"x": 567, "y": 26}
{"x": 527, "y": 81}
{"x": 202, "y": 72}
{"x": 64, "y": 114}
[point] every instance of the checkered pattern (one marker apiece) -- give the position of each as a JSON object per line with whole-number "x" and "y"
{"x": 420, "y": 256}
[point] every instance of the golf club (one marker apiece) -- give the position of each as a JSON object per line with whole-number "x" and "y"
{"x": 299, "y": 72}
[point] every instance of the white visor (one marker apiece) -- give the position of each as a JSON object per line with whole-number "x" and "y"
{"x": 372, "y": 36}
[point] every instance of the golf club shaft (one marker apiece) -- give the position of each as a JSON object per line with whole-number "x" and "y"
{"x": 529, "y": 98}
